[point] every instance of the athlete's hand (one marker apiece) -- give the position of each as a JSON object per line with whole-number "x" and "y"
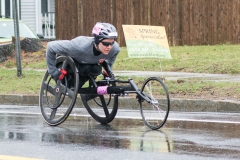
{"x": 105, "y": 74}
{"x": 63, "y": 73}
{"x": 60, "y": 75}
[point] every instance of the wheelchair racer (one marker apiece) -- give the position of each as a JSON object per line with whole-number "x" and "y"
{"x": 89, "y": 52}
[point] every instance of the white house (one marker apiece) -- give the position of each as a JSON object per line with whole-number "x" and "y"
{"x": 37, "y": 14}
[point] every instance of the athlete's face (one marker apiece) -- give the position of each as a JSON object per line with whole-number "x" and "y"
{"x": 106, "y": 45}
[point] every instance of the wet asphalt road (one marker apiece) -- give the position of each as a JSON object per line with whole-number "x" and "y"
{"x": 196, "y": 135}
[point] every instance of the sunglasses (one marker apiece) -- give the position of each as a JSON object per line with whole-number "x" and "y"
{"x": 106, "y": 44}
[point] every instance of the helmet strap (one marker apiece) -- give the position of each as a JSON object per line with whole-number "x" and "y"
{"x": 96, "y": 46}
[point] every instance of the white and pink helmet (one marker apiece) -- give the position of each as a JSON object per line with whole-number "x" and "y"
{"x": 104, "y": 31}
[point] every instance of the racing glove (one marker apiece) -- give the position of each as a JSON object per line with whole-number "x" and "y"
{"x": 60, "y": 75}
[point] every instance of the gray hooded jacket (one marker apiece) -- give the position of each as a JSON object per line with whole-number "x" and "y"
{"x": 80, "y": 49}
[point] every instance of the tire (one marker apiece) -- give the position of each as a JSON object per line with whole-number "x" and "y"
{"x": 156, "y": 112}
{"x": 100, "y": 107}
{"x": 57, "y": 99}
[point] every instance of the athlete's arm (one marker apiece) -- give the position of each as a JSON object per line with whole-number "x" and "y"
{"x": 54, "y": 48}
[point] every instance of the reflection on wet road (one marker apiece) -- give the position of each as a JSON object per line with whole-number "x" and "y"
{"x": 123, "y": 138}
{"x": 124, "y": 134}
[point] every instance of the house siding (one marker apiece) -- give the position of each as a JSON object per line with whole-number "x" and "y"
{"x": 52, "y": 6}
{"x": 28, "y": 14}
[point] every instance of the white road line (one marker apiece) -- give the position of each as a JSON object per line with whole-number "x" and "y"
{"x": 133, "y": 117}
{"x": 4, "y": 157}
{"x": 197, "y": 120}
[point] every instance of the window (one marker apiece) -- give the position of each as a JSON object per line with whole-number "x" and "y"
{"x": 44, "y": 4}
{"x": 7, "y": 30}
{"x": 7, "y": 9}
{"x": 0, "y": 8}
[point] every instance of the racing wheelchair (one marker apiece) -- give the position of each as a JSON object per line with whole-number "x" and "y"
{"x": 100, "y": 97}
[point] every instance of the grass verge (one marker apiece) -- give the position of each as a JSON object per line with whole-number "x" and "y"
{"x": 221, "y": 59}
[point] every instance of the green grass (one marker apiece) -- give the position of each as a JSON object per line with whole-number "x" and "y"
{"x": 223, "y": 59}
{"x": 28, "y": 83}
{"x": 193, "y": 86}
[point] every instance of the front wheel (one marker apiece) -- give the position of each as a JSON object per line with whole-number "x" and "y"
{"x": 154, "y": 112}
{"x": 56, "y": 100}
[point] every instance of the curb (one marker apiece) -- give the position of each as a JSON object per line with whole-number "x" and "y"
{"x": 181, "y": 105}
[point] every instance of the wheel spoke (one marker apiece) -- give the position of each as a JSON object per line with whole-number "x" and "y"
{"x": 70, "y": 93}
{"x": 53, "y": 113}
{"x": 149, "y": 89}
{"x": 59, "y": 92}
{"x": 104, "y": 106}
{"x": 48, "y": 87}
{"x": 57, "y": 100}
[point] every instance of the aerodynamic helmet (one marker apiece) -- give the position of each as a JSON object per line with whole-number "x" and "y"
{"x": 104, "y": 31}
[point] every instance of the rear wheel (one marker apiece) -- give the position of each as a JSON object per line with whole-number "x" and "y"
{"x": 156, "y": 112}
{"x": 100, "y": 107}
{"x": 56, "y": 99}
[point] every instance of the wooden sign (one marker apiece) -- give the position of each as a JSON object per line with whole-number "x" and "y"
{"x": 146, "y": 41}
